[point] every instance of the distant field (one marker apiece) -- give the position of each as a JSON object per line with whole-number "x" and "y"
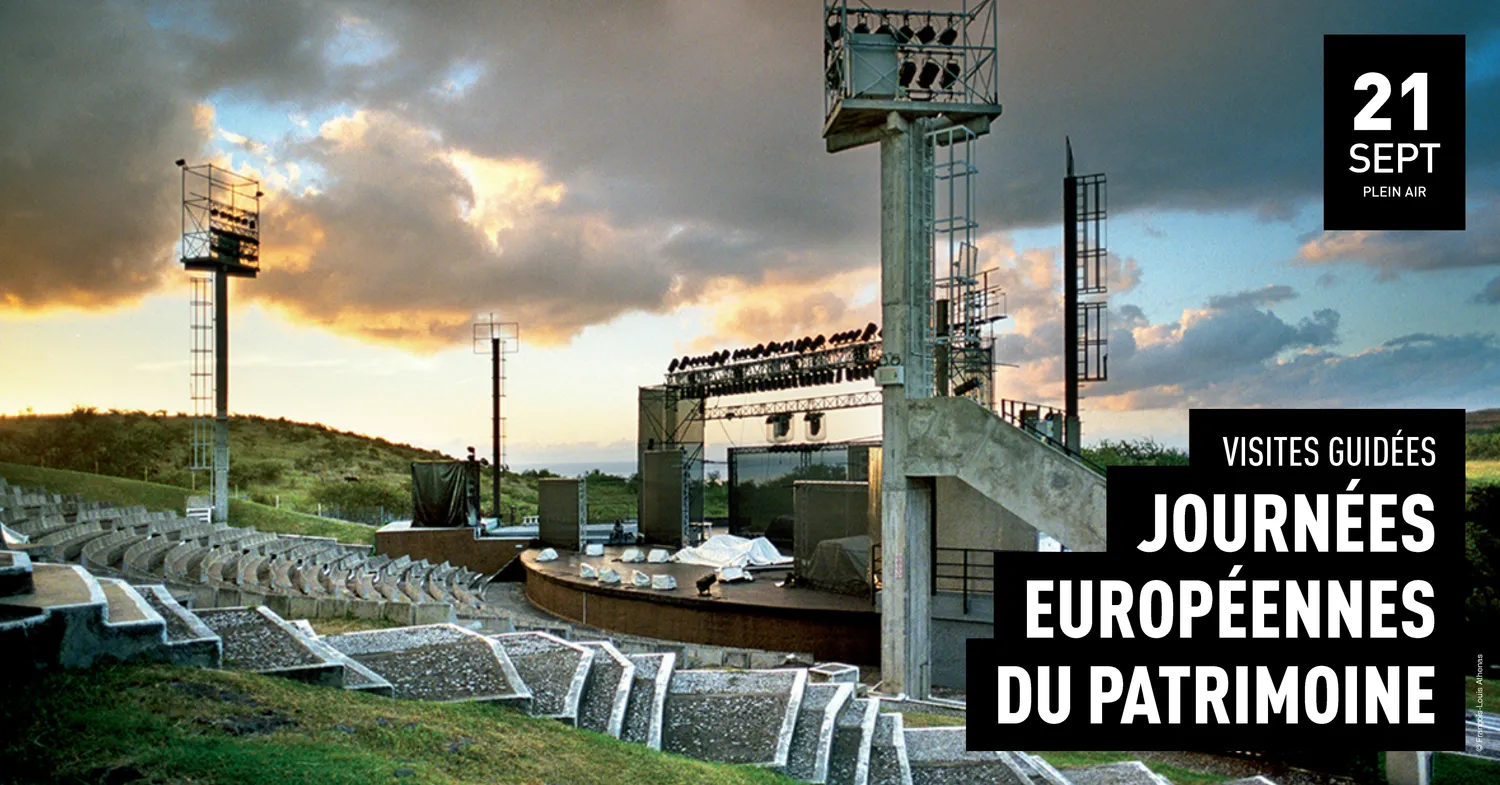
{"x": 1482, "y": 471}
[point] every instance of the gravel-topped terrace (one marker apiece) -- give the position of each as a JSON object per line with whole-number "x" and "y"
{"x": 254, "y": 642}
{"x": 441, "y": 672}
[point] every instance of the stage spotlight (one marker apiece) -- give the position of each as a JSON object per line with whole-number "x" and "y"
{"x": 758, "y": 351}
{"x": 869, "y": 331}
{"x": 884, "y": 28}
{"x": 950, "y": 73}
{"x": 966, "y": 387}
{"x": 950, "y": 35}
{"x": 863, "y": 28}
{"x": 907, "y": 73}
{"x": 926, "y": 34}
{"x": 929, "y": 74}
{"x": 819, "y": 341}
{"x": 672, "y": 366}
{"x": 905, "y": 33}
{"x": 813, "y": 423}
{"x": 835, "y": 29}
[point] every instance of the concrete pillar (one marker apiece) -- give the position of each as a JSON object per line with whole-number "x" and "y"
{"x": 1408, "y": 768}
{"x": 906, "y": 520}
{"x": 221, "y": 396}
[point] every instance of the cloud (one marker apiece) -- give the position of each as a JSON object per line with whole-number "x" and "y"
{"x": 1270, "y": 294}
{"x": 95, "y": 111}
{"x": 550, "y": 166}
{"x": 1390, "y": 254}
{"x": 1233, "y": 352}
{"x": 1490, "y": 294}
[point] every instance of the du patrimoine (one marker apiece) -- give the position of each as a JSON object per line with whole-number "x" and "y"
{"x": 1211, "y": 695}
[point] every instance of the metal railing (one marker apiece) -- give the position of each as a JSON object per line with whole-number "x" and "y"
{"x": 963, "y": 571}
{"x": 1046, "y": 423}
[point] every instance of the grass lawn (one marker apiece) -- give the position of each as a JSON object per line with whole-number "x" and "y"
{"x": 917, "y": 719}
{"x": 1464, "y": 770}
{"x": 169, "y": 724}
{"x": 154, "y": 496}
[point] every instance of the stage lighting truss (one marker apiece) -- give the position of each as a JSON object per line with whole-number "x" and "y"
{"x": 885, "y": 54}
{"x": 850, "y": 362}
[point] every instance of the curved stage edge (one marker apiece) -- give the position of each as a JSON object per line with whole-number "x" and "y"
{"x": 755, "y": 615}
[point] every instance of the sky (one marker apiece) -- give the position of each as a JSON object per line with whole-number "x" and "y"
{"x": 634, "y": 181}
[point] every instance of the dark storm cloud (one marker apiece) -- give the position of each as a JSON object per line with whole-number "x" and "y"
{"x": 685, "y": 136}
{"x": 1267, "y": 295}
{"x": 92, "y": 114}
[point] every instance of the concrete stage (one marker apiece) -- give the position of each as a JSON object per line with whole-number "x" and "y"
{"x": 755, "y": 615}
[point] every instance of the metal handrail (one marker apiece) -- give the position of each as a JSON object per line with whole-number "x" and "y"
{"x": 1029, "y": 417}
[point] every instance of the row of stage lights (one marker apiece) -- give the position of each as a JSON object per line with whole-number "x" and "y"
{"x": 929, "y": 73}
{"x": 903, "y": 34}
{"x": 784, "y": 381}
{"x": 231, "y": 218}
{"x": 773, "y": 348}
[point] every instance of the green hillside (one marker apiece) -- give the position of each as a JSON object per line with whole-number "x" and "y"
{"x": 274, "y": 463}
{"x": 168, "y": 724}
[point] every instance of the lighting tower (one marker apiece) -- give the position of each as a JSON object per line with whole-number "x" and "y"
{"x": 497, "y": 339}
{"x": 912, "y": 81}
{"x": 220, "y": 237}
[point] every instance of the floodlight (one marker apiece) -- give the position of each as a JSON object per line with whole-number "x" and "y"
{"x": 950, "y": 35}
{"x": 926, "y": 34}
{"x": 950, "y": 73}
{"x": 907, "y": 73}
{"x": 929, "y": 75}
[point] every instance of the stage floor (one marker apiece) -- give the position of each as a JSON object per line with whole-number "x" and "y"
{"x": 754, "y": 615}
{"x": 761, "y": 592}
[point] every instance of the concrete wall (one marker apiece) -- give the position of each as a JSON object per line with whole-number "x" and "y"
{"x": 560, "y": 512}
{"x": 485, "y": 555}
{"x": 1035, "y": 483}
{"x": 952, "y": 627}
{"x": 967, "y": 518}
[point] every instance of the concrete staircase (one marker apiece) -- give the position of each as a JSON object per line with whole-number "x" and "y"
{"x": 1041, "y": 485}
{"x": 808, "y": 723}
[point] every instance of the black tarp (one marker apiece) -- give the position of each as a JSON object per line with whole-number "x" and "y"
{"x": 445, "y": 493}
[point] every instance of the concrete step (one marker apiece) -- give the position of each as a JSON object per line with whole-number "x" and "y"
{"x": 189, "y": 640}
{"x": 553, "y": 669}
{"x": 812, "y": 736}
{"x": 357, "y": 677}
{"x": 1038, "y": 771}
{"x": 259, "y": 641}
{"x": 15, "y": 573}
{"x": 888, "y": 761}
{"x": 57, "y": 624}
{"x": 648, "y": 694}
{"x": 938, "y": 756}
{"x": 849, "y": 754}
{"x": 440, "y": 662}
{"x": 733, "y": 716}
{"x": 606, "y": 691}
{"x": 1127, "y": 773}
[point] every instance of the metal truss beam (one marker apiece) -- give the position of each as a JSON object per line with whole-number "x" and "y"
{"x": 794, "y": 406}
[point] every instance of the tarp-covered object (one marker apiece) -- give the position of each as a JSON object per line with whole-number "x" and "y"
{"x": 445, "y": 493}
{"x": 841, "y": 565}
{"x": 727, "y": 550}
